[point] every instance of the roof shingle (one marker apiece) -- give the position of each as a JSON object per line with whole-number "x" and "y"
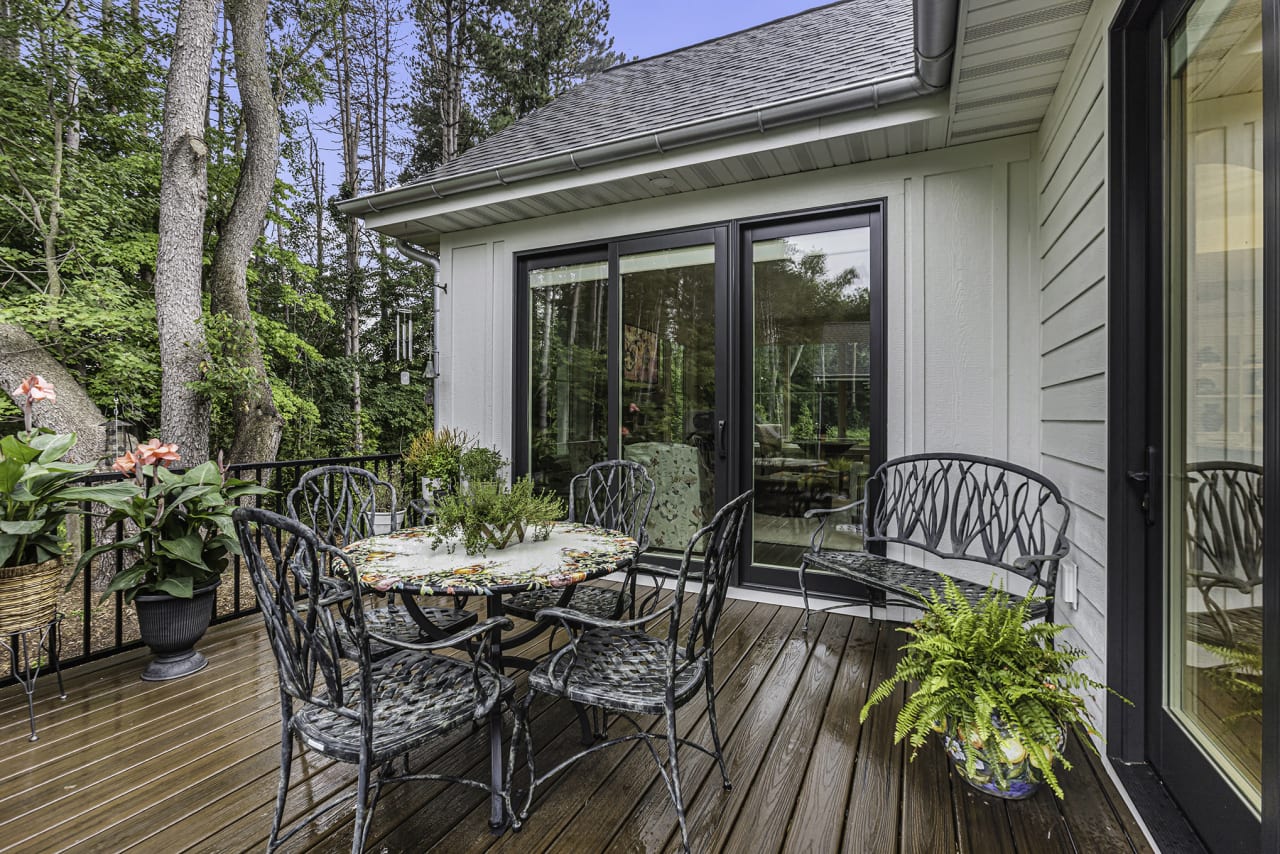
{"x": 829, "y": 48}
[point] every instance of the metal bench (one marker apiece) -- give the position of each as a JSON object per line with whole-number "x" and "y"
{"x": 956, "y": 506}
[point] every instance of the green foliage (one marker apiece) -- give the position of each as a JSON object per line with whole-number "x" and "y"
{"x": 184, "y": 535}
{"x": 481, "y": 465}
{"x": 982, "y": 668}
{"x": 34, "y": 490}
{"x": 437, "y": 455}
{"x": 1240, "y": 677}
{"x": 489, "y": 518}
{"x": 802, "y": 427}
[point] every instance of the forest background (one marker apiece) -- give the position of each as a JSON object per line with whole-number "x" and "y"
{"x": 170, "y": 250}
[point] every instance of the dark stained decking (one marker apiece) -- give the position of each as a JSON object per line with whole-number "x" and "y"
{"x": 124, "y": 765}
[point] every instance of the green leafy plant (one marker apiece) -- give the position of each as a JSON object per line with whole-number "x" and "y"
{"x": 988, "y": 675}
{"x": 36, "y": 489}
{"x": 490, "y": 518}
{"x": 182, "y": 535}
{"x": 1240, "y": 677}
{"x": 481, "y": 465}
{"x": 437, "y": 455}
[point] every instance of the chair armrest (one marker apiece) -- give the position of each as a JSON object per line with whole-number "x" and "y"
{"x": 570, "y": 618}
{"x": 1026, "y": 560}
{"x": 821, "y": 514}
{"x": 454, "y": 640}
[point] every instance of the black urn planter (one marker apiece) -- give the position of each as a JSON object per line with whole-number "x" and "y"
{"x": 171, "y": 626}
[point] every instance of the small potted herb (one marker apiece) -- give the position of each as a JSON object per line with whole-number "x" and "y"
{"x": 996, "y": 689}
{"x": 435, "y": 457}
{"x": 496, "y": 518}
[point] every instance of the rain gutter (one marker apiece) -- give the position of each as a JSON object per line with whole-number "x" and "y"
{"x": 935, "y": 31}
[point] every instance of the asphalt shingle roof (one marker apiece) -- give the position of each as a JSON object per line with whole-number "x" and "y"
{"x": 835, "y": 46}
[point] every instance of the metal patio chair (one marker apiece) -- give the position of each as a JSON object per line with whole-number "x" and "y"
{"x": 1224, "y": 538}
{"x": 616, "y": 667}
{"x": 341, "y": 504}
{"x": 618, "y": 495}
{"x": 383, "y": 709}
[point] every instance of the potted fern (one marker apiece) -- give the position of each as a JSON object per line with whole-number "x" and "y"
{"x": 996, "y": 689}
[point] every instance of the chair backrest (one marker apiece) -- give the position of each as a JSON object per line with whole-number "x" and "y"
{"x": 1224, "y": 524}
{"x": 339, "y": 502}
{"x": 971, "y": 508}
{"x": 297, "y": 592}
{"x": 615, "y": 494}
{"x": 720, "y": 544}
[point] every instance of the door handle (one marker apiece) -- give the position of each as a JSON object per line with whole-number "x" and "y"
{"x": 722, "y": 432}
{"x": 1144, "y": 483}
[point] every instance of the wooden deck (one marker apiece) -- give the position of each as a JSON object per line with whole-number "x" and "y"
{"x": 192, "y": 765}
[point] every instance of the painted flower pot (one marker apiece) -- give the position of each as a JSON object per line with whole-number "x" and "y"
{"x": 171, "y": 627}
{"x": 1001, "y": 757}
{"x": 499, "y": 537}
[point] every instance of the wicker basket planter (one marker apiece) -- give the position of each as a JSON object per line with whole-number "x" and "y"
{"x": 29, "y": 595}
{"x": 171, "y": 626}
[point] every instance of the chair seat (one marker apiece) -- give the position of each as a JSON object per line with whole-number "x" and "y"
{"x": 620, "y": 670}
{"x": 396, "y": 623}
{"x": 903, "y": 579}
{"x": 416, "y": 698}
{"x": 600, "y": 602}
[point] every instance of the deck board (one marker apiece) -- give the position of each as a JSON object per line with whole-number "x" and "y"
{"x": 124, "y": 765}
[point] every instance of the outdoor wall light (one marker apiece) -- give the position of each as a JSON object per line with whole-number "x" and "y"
{"x": 429, "y": 371}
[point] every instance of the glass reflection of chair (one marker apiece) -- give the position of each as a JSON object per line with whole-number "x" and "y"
{"x": 341, "y": 504}
{"x": 1224, "y": 537}
{"x": 381, "y": 710}
{"x": 617, "y": 495}
{"x": 617, "y": 667}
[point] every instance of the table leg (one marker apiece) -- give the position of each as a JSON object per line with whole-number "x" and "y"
{"x": 497, "y": 808}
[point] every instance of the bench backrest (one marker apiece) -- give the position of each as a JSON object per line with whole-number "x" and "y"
{"x": 972, "y": 508}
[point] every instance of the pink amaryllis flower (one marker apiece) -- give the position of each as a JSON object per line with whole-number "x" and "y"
{"x": 125, "y": 463}
{"x": 154, "y": 451}
{"x": 36, "y": 387}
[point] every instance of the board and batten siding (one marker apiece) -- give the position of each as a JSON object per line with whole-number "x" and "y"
{"x": 1071, "y": 218}
{"x": 963, "y": 306}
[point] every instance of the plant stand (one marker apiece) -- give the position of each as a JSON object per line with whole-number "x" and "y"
{"x": 20, "y": 645}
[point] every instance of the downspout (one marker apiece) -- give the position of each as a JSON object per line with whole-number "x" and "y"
{"x": 935, "y": 40}
{"x": 413, "y": 253}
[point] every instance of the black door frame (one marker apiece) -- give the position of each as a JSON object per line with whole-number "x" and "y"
{"x": 733, "y": 398}
{"x": 867, "y": 215}
{"x": 1135, "y": 582}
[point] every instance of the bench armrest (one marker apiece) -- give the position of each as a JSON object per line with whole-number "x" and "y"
{"x": 821, "y": 514}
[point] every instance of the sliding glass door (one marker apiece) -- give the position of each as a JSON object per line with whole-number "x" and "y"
{"x": 718, "y": 373}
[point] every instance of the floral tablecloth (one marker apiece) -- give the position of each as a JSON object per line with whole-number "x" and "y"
{"x": 405, "y": 561}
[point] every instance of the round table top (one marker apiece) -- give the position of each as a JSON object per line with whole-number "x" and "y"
{"x": 405, "y": 561}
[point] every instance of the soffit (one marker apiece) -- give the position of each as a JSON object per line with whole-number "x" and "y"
{"x": 1010, "y": 56}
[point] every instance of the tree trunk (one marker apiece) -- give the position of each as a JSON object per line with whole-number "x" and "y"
{"x": 349, "y": 121}
{"x": 21, "y": 356}
{"x": 258, "y": 423}
{"x": 184, "y": 414}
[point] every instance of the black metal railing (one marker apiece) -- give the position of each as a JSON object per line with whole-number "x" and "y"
{"x": 93, "y": 629}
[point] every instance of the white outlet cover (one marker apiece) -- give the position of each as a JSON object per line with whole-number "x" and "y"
{"x": 1069, "y": 580}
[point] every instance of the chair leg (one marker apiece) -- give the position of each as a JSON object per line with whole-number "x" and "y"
{"x": 585, "y": 724}
{"x": 715, "y": 731}
{"x": 804, "y": 593}
{"x": 521, "y": 728}
{"x": 364, "y": 809}
{"x": 677, "y": 796}
{"x": 282, "y": 790}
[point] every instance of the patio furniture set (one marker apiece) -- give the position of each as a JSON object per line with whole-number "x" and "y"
{"x": 367, "y": 682}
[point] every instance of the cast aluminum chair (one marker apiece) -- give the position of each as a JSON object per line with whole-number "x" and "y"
{"x": 383, "y": 709}
{"x": 618, "y": 495}
{"x": 615, "y": 666}
{"x": 1224, "y": 539}
{"x": 341, "y": 504}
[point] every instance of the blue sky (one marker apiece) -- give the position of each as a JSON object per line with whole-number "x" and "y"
{"x": 648, "y": 27}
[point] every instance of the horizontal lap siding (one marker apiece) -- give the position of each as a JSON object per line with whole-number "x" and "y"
{"x": 1072, "y": 252}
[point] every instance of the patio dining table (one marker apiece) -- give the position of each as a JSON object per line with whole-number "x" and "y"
{"x": 407, "y": 563}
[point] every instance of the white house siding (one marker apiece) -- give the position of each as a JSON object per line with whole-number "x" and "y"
{"x": 961, "y": 296}
{"x": 1071, "y": 240}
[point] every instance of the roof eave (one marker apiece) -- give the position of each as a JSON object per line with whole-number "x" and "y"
{"x": 935, "y": 30}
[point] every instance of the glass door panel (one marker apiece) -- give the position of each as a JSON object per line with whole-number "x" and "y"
{"x": 1214, "y": 387}
{"x": 569, "y": 383}
{"x": 811, "y": 385}
{"x": 668, "y": 384}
